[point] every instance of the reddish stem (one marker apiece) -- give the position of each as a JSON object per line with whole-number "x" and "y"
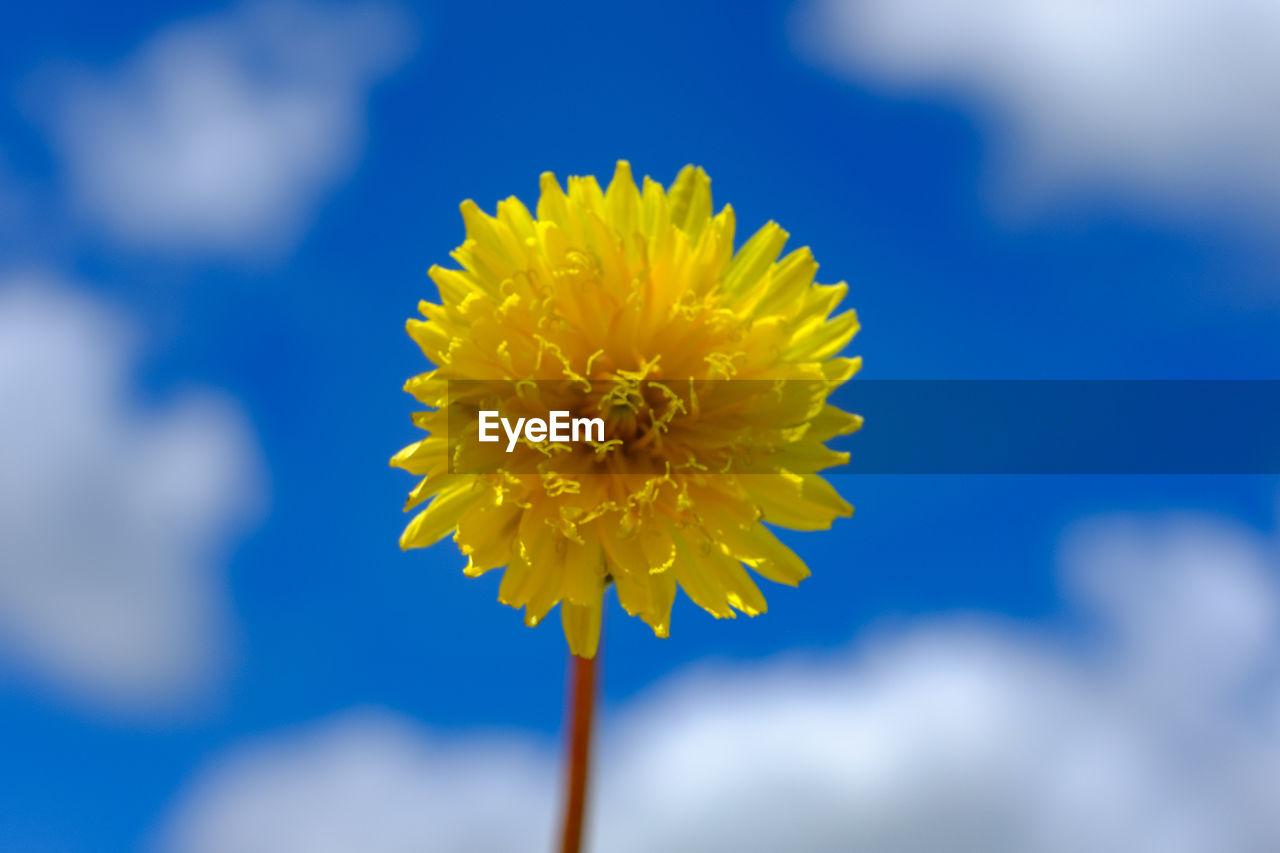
{"x": 582, "y": 704}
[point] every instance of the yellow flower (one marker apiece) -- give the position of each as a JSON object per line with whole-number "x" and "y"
{"x": 710, "y": 368}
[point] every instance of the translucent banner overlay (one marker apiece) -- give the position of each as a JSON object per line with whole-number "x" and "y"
{"x": 745, "y": 427}
{"x": 1063, "y": 427}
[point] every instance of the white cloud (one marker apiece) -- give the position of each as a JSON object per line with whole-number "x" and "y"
{"x": 223, "y": 134}
{"x": 113, "y": 515}
{"x": 1153, "y": 731}
{"x": 1171, "y": 102}
{"x": 373, "y": 783}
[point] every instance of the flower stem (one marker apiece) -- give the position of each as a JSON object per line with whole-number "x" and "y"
{"x": 581, "y": 705}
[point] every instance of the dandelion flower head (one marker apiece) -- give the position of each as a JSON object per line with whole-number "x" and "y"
{"x": 710, "y": 367}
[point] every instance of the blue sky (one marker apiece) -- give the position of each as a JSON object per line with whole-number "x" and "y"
{"x": 301, "y": 333}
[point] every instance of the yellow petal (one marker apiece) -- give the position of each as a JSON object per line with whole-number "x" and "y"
{"x": 441, "y": 515}
{"x": 581, "y": 627}
{"x": 825, "y": 340}
{"x": 423, "y": 458}
{"x": 690, "y": 200}
{"x": 764, "y": 553}
{"x": 524, "y": 580}
{"x": 831, "y": 422}
{"x": 788, "y": 281}
{"x": 797, "y": 501}
{"x": 583, "y": 569}
{"x": 752, "y": 262}
{"x": 702, "y": 584}
{"x": 487, "y": 536}
{"x": 623, "y": 200}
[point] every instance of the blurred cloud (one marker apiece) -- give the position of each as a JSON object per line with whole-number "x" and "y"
{"x": 1171, "y": 102}
{"x": 222, "y": 135}
{"x": 113, "y": 515}
{"x": 371, "y": 782}
{"x": 1153, "y": 729}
